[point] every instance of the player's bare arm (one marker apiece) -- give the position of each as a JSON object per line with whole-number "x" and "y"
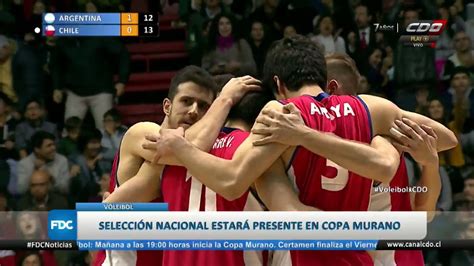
{"x": 229, "y": 178}
{"x": 420, "y": 143}
{"x": 384, "y": 114}
{"x": 144, "y": 182}
{"x": 276, "y": 191}
{"x": 204, "y": 132}
{"x": 378, "y": 161}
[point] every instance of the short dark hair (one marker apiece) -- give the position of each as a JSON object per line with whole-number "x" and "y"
{"x": 33, "y": 100}
{"x": 39, "y": 137}
{"x": 192, "y": 74}
{"x": 297, "y": 61}
{"x": 459, "y": 70}
{"x": 221, "y": 80}
{"x": 114, "y": 113}
{"x": 86, "y": 136}
{"x": 248, "y": 108}
{"x": 72, "y": 123}
{"x": 369, "y": 11}
{"x": 214, "y": 30}
{"x": 342, "y": 68}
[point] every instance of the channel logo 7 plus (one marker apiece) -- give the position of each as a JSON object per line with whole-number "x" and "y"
{"x": 62, "y": 225}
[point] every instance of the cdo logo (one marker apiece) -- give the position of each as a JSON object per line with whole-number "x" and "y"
{"x": 426, "y": 27}
{"x": 62, "y": 225}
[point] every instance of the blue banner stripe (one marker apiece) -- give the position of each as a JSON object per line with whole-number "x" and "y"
{"x": 82, "y": 18}
{"x": 121, "y": 206}
{"x": 227, "y": 244}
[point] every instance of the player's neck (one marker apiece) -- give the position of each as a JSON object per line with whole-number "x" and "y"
{"x": 237, "y": 124}
{"x": 306, "y": 90}
{"x": 165, "y": 123}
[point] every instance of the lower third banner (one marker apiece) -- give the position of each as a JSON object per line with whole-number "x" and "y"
{"x": 228, "y": 244}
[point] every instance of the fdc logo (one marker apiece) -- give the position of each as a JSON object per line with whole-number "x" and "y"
{"x": 62, "y": 225}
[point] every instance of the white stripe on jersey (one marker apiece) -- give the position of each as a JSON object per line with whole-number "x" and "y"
{"x": 380, "y": 200}
{"x": 291, "y": 175}
{"x": 252, "y": 257}
{"x": 195, "y": 194}
{"x": 120, "y": 257}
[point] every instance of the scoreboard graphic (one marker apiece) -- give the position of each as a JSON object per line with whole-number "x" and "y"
{"x": 100, "y": 24}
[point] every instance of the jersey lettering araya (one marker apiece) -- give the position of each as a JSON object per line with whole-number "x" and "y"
{"x": 336, "y": 110}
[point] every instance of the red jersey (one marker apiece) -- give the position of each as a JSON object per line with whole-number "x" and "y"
{"x": 389, "y": 200}
{"x": 322, "y": 183}
{"x": 128, "y": 257}
{"x": 183, "y": 192}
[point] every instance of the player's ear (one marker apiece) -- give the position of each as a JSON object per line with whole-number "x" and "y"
{"x": 167, "y": 106}
{"x": 280, "y": 86}
{"x": 332, "y": 86}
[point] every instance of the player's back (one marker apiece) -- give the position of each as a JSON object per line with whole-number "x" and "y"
{"x": 183, "y": 192}
{"x": 323, "y": 184}
{"x": 130, "y": 257}
{"x": 395, "y": 197}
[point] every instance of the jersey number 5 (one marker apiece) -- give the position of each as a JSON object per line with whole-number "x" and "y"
{"x": 334, "y": 178}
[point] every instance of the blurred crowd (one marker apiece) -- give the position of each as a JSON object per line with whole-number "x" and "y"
{"x": 59, "y": 129}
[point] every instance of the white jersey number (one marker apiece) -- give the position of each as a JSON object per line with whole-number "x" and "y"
{"x": 338, "y": 179}
{"x": 195, "y": 196}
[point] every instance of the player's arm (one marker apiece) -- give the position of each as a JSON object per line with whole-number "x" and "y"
{"x": 384, "y": 113}
{"x": 143, "y": 187}
{"x": 229, "y": 178}
{"x": 276, "y": 191}
{"x": 420, "y": 143}
{"x": 378, "y": 161}
{"x": 204, "y": 132}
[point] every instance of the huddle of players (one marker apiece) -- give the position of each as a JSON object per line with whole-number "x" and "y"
{"x": 329, "y": 132}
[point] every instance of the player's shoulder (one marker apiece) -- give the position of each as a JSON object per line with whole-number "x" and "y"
{"x": 141, "y": 129}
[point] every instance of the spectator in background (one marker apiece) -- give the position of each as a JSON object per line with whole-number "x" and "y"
{"x": 289, "y": 31}
{"x": 240, "y": 8}
{"x": 104, "y": 187}
{"x": 7, "y": 130}
{"x": 364, "y": 37}
{"x": 451, "y": 160}
{"x": 464, "y": 201}
{"x": 259, "y": 44}
{"x": 40, "y": 196}
{"x": 34, "y": 121}
{"x": 195, "y": 40}
{"x": 327, "y": 37}
{"x": 44, "y": 156}
{"x": 111, "y": 137}
{"x": 422, "y": 97}
{"x": 86, "y": 183}
{"x": 226, "y": 52}
{"x": 29, "y": 228}
{"x": 32, "y": 258}
{"x": 412, "y": 66}
{"x": 460, "y": 90}
{"x": 266, "y": 13}
{"x": 84, "y": 69}
{"x": 463, "y": 56}
{"x": 364, "y": 86}
{"x": 374, "y": 75}
{"x": 444, "y": 44}
{"x": 20, "y": 72}
{"x": 6, "y": 75}
{"x": 67, "y": 146}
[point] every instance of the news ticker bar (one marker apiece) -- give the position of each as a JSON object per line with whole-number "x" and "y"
{"x": 237, "y": 245}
